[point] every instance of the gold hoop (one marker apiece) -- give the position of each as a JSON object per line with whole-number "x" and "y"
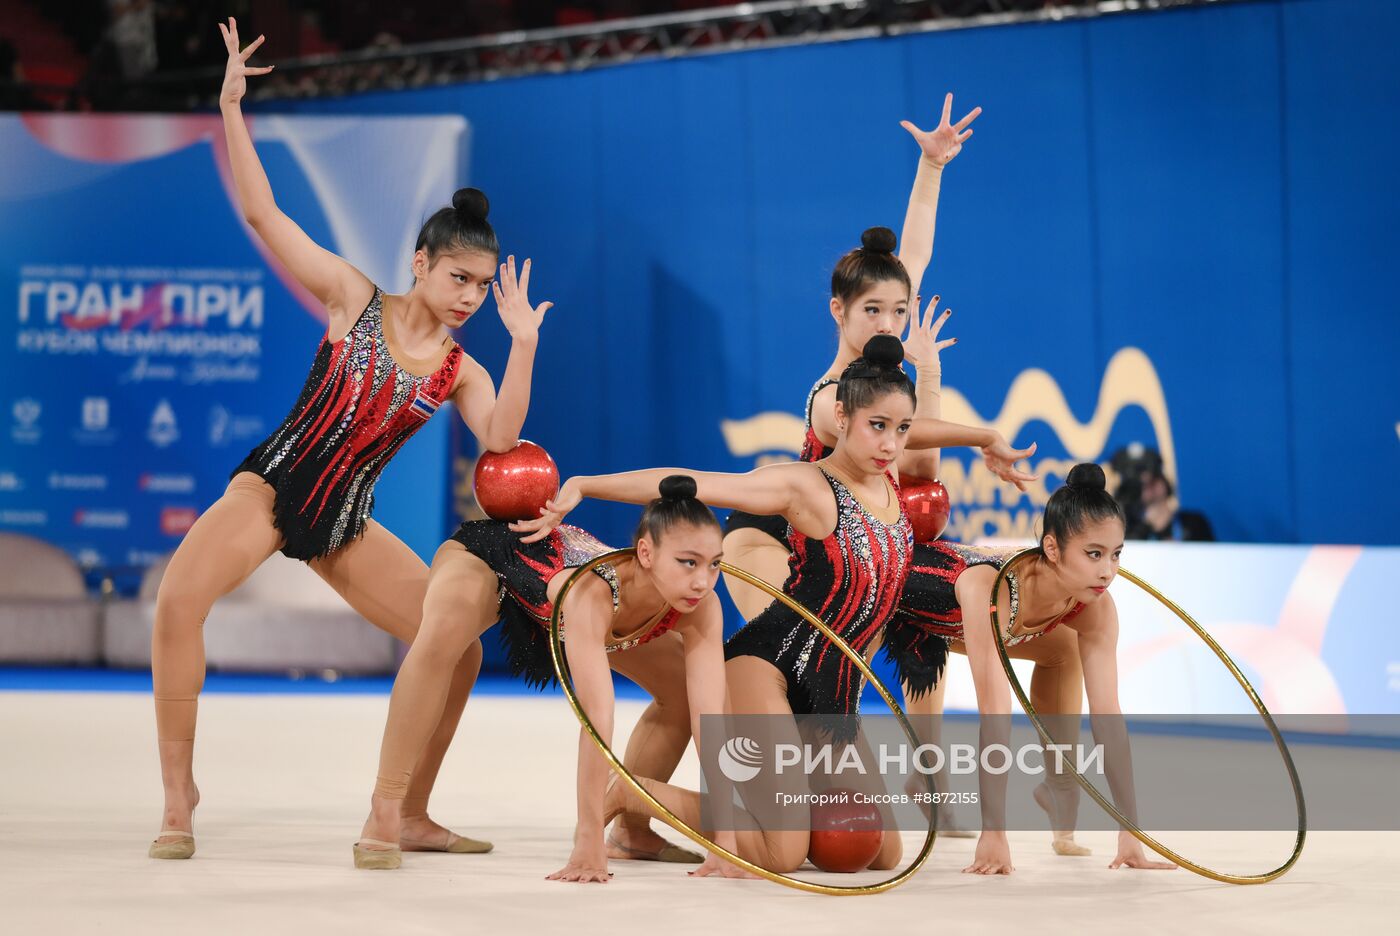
{"x": 1099, "y": 798}
{"x": 561, "y": 669}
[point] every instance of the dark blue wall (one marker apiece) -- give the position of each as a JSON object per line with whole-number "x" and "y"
{"x": 1215, "y": 186}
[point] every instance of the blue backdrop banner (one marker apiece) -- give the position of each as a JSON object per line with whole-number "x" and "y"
{"x": 151, "y": 340}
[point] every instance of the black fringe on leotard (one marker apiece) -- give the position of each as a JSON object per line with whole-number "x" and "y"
{"x": 919, "y": 657}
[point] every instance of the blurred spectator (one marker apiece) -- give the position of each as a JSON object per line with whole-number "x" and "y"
{"x": 13, "y": 95}
{"x": 1149, "y": 500}
{"x": 185, "y": 38}
{"x": 133, "y": 34}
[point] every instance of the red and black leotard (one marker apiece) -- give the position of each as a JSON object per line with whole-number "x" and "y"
{"x": 928, "y": 616}
{"x": 524, "y": 571}
{"x": 812, "y": 450}
{"x": 357, "y": 408}
{"x": 851, "y": 580}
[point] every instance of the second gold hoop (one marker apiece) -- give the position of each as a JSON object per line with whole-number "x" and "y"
{"x": 1093, "y": 791}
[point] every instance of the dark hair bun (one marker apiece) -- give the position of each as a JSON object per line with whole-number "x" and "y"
{"x": 472, "y": 203}
{"x": 1086, "y": 475}
{"x": 878, "y": 240}
{"x": 678, "y": 487}
{"x": 885, "y": 351}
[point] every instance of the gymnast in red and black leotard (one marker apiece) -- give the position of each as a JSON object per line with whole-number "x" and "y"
{"x": 851, "y": 579}
{"x": 652, "y": 616}
{"x": 929, "y": 615}
{"x": 384, "y": 365}
{"x": 1058, "y": 589}
{"x": 872, "y": 291}
{"x": 851, "y": 548}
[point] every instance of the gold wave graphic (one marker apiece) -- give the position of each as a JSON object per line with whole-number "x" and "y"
{"x": 767, "y": 432}
{"x": 1130, "y": 379}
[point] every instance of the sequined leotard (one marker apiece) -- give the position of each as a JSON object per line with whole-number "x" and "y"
{"x": 812, "y": 450}
{"x": 851, "y": 581}
{"x": 357, "y": 408}
{"x": 928, "y": 616}
{"x": 524, "y": 571}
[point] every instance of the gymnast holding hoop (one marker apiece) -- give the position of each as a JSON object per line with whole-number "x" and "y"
{"x": 1061, "y": 585}
{"x": 851, "y": 540}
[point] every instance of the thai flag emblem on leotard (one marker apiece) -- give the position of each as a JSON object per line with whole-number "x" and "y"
{"x": 422, "y": 405}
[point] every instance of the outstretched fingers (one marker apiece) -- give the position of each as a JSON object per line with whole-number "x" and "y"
{"x": 252, "y": 47}
{"x": 505, "y": 282}
{"x": 963, "y": 124}
{"x": 929, "y": 311}
{"x": 937, "y": 325}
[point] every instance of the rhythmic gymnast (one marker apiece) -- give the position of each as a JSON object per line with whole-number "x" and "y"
{"x": 384, "y": 366}
{"x": 653, "y": 617}
{"x": 851, "y": 545}
{"x": 871, "y": 293}
{"x": 1061, "y": 588}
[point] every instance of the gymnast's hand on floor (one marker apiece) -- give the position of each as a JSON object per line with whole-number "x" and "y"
{"x": 1000, "y": 459}
{"x": 993, "y": 855}
{"x": 551, "y": 514}
{"x": 237, "y": 70}
{"x": 587, "y": 865}
{"x": 1131, "y": 855}
{"x": 945, "y": 141}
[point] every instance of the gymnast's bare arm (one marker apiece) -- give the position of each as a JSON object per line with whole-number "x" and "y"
{"x": 1097, "y": 626}
{"x": 795, "y": 490}
{"x": 341, "y": 288}
{"x": 588, "y": 613}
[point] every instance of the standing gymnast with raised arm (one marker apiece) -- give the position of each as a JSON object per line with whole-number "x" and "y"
{"x": 874, "y": 291}
{"x": 384, "y": 366}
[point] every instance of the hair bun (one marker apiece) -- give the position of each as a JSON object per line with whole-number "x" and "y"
{"x": 878, "y": 240}
{"x": 472, "y": 203}
{"x": 678, "y": 487}
{"x": 884, "y": 351}
{"x": 1086, "y": 475}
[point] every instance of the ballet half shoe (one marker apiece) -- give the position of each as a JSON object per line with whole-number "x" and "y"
{"x": 456, "y": 845}
{"x": 669, "y": 853}
{"x": 388, "y": 857}
{"x": 183, "y": 847}
{"x": 1069, "y": 848}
